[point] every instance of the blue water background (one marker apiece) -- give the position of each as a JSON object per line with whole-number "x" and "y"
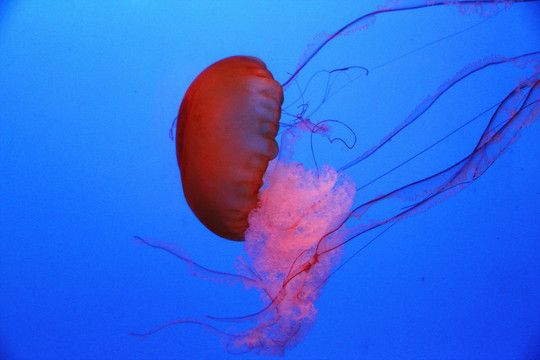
{"x": 88, "y": 91}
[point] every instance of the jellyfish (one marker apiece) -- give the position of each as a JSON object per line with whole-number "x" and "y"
{"x": 295, "y": 218}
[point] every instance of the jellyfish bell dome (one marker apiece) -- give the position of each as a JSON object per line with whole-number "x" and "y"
{"x": 225, "y": 138}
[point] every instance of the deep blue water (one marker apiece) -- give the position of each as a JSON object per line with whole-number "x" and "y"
{"x": 88, "y": 91}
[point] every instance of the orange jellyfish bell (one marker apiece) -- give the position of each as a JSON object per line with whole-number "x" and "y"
{"x": 225, "y": 137}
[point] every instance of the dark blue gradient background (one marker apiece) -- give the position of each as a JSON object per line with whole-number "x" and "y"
{"x": 88, "y": 90}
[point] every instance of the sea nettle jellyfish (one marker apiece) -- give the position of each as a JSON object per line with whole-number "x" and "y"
{"x": 296, "y": 215}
